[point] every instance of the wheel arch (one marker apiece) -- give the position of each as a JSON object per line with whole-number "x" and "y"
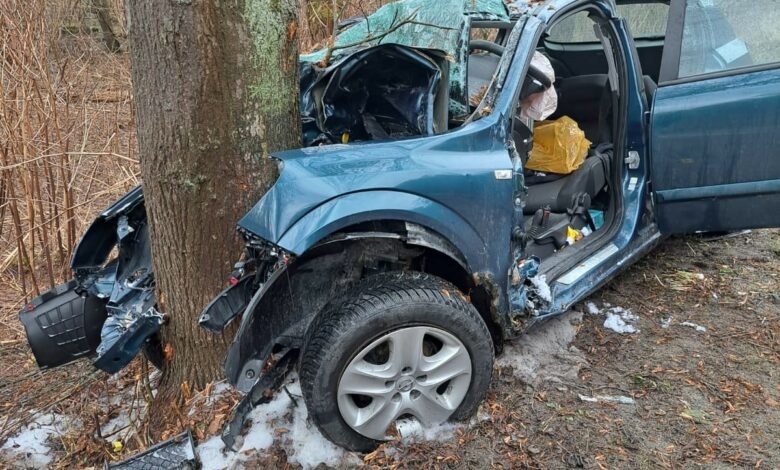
{"x": 349, "y": 210}
{"x": 280, "y": 313}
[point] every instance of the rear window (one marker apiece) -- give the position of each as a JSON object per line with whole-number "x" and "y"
{"x": 645, "y": 20}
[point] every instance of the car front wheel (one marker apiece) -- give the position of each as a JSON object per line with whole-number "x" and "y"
{"x": 399, "y": 345}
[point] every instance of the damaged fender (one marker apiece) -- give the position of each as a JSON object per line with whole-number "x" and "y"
{"x": 366, "y": 206}
{"x": 280, "y": 311}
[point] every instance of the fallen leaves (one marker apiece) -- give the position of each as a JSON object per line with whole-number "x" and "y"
{"x": 695, "y": 415}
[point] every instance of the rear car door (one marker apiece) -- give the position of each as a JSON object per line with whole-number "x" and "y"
{"x": 715, "y": 125}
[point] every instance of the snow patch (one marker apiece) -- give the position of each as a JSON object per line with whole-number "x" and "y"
{"x": 217, "y": 391}
{"x": 30, "y": 447}
{"x": 211, "y": 455}
{"x": 309, "y": 447}
{"x": 666, "y": 322}
{"x": 127, "y": 412}
{"x": 542, "y": 288}
{"x": 694, "y": 326}
{"x": 619, "y": 320}
{"x": 201, "y": 399}
{"x": 591, "y": 308}
{"x": 544, "y": 352}
{"x": 114, "y": 425}
{"x": 617, "y": 324}
{"x": 281, "y": 419}
{"x": 412, "y": 431}
{"x": 620, "y": 399}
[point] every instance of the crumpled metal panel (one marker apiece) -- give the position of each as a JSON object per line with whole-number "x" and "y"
{"x": 441, "y": 25}
{"x": 357, "y": 97}
{"x": 127, "y": 281}
{"x": 115, "y": 296}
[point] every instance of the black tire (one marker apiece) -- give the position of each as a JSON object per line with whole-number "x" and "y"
{"x": 377, "y": 305}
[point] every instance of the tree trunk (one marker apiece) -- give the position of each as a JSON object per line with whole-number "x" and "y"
{"x": 216, "y": 89}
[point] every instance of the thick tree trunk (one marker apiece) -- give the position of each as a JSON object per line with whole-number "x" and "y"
{"x": 216, "y": 90}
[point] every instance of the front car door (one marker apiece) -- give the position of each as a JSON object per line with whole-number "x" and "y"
{"x": 715, "y": 126}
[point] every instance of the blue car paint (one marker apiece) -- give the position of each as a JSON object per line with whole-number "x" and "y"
{"x": 447, "y": 182}
{"x": 716, "y": 152}
{"x": 320, "y": 192}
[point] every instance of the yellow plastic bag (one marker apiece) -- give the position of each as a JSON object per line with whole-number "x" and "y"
{"x": 560, "y": 147}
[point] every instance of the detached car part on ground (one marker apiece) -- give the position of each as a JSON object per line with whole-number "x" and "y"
{"x": 391, "y": 269}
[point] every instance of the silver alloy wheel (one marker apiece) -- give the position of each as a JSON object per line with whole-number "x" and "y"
{"x": 420, "y": 371}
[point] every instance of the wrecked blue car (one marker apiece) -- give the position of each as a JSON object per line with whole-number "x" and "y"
{"x": 408, "y": 240}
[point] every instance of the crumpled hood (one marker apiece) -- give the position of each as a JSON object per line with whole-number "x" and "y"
{"x": 424, "y": 166}
{"x": 312, "y": 176}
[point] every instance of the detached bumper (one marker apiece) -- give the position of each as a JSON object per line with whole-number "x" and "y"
{"x": 108, "y": 310}
{"x": 62, "y": 325}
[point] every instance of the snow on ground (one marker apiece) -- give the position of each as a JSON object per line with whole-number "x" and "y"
{"x": 619, "y": 319}
{"x": 544, "y": 352}
{"x": 694, "y": 326}
{"x": 412, "y": 431}
{"x": 619, "y": 399}
{"x": 217, "y": 391}
{"x": 619, "y": 324}
{"x": 286, "y": 421}
{"x": 207, "y": 398}
{"x": 121, "y": 403}
{"x": 30, "y": 448}
{"x": 112, "y": 428}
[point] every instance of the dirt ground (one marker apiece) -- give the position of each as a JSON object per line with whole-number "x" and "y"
{"x": 702, "y": 398}
{"x": 687, "y": 397}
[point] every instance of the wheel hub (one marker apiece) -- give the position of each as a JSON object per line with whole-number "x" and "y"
{"x": 418, "y": 371}
{"x": 405, "y": 384}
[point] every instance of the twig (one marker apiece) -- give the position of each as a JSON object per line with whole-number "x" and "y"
{"x": 393, "y": 27}
{"x": 295, "y": 402}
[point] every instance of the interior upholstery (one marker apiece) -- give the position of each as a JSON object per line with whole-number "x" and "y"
{"x": 590, "y": 178}
{"x": 580, "y": 98}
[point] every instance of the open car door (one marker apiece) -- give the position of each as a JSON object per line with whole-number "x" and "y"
{"x": 715, "y": 125}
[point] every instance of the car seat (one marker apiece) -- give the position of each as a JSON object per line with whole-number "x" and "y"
{"x": 558, "y": 193}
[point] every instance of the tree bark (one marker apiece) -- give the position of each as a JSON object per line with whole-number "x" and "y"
{"x": 215, "y": 85}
